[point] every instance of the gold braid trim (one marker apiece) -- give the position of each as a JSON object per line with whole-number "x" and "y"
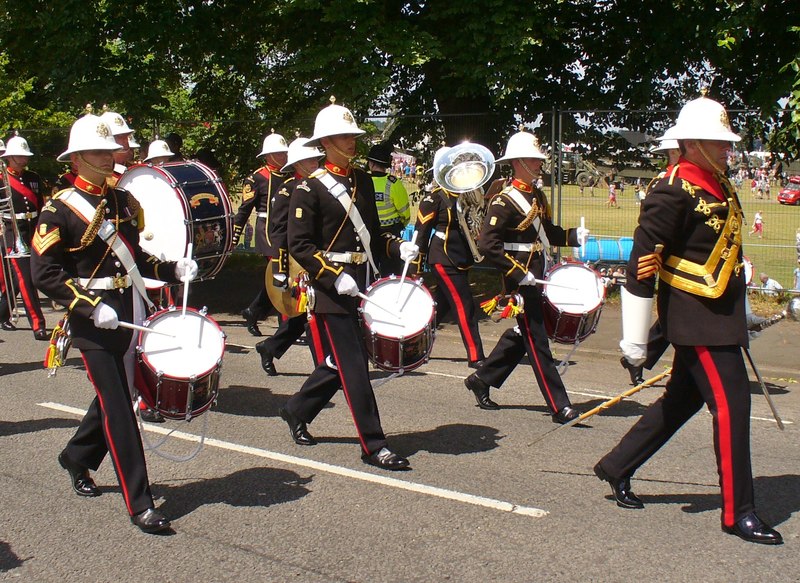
{"x": 92, "y": 228}
{"x": 526, "y": 222}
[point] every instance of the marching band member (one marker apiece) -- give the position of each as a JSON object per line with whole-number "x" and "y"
{"x": 259, "y": 192}
{"x": 122, "y": 133}
{"x": 158, "y": 152}
{"x": 690, "y": 235}
{"x": 333, "y": 235}
{"x": 391, "y": 199}
{"x": 303, "y": 160}
{"x": 443, "y": 244}
{"x": 516, "y": 236}
{"x": 86, "y": 256}
{"x": 26, "y": 200}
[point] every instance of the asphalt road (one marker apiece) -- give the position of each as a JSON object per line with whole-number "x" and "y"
{"x": 480, "y": 504}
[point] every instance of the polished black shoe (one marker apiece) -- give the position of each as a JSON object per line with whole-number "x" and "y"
{"x": 476, "y": 364}
{"x": 480, "y": 389}
{"x": 636, "y": 372}
{"x": 41, "y": 335}
{"x": 302, "y": 341}
{"x": 386, "y": 459}
{"x": 8, "y": 326}
{"x": 621, "y": 489}
{"x": 251, "y": 321}
{"x": 149, "y": 415}
{"x": 566, "y": 415}
{"x": 297, "y": 428}
{"x": 150, "y": 521}
{"x": 82, "y": 483}
{"x": 752, "y": 529}
{"x": 266, "y": 359}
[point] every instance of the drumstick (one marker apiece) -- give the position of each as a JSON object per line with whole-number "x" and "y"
{"x": 144, "y": 329}
{"x": 545, "y": 282}
{"x": 186, "y": 283}
{"x": 369, "y": 300}
{"x": 583, "y": 246}
{"x": 405, "y": 270}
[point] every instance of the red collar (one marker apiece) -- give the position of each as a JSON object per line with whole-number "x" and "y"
{"x": 272, "y": 168}
{"x": 298, "y": 176}
{"x": 700, "y": 177}
{"x": 522, "y": 186}
{"x": 12, "y": 171}
{"x": 338, "y": 170}
{"x": 89, "y": 187}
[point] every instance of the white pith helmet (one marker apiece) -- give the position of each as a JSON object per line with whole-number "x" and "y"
{"x": 158, "y": 149}
{"x": 2, "y": 146}
{"x": 273, "y": 144}
{"x": 702, "y": 119}
{"x": 298, "y": 151}
{"x": 17, "y": 146}
{"x": 89, "y": 133}
{"x": 334, "y": 120}
{"x": 665, "y": 145}
{"x": 132, "y": 143}
{"x": 117, "y": 123}
{"x": 522, "y": 145}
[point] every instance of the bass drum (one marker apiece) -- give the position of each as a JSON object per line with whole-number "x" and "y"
{"x": 177, "y": 372}
{"x": 183, "y": 202}
{"x": 572, "y": 307}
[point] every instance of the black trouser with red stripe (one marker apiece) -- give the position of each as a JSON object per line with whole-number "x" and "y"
{"x": 454, "y": 287}
{"x": 529, "y": 336}
{"x": 348, "y": 354}
{"x": 716, "y": 376}
{"x": 23, "y": 285}
{"x": 109, "y": 426}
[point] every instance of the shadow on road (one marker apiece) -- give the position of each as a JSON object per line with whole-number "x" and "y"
{"x": 34, "y": 425}
{"x": 454, "y": 439}
{"x": 251, "y": 401}
{"x": 8, "y": 559}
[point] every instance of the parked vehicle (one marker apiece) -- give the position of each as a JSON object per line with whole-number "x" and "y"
{"x": 790, "y": 194}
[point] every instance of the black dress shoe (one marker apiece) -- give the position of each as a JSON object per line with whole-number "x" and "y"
{"x": 476, "y": 364}
{"x": 41, "y": 335}
{"x": 266, "y": 359}
{"x": 752, "y": 529}
{"x": 82, "y": 483}
{"x": 566, "y": 415}
{"x": 480, "y": 389}
{"x": 620, "y": 488}
{"x": 251, "y": 321}
{"x": 635, "y": 371}
{"x": 8, "y": 326}
{"x": 302, "y": 341}
{"x": 297, "y": 429}
{"x": 151, "y": 416}
{"x": 150, "y": 521}
{"x": 386, "y": 459}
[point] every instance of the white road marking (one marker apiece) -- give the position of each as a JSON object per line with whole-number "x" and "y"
{"x": 336, "y": 470}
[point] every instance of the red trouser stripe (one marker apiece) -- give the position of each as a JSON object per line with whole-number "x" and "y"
{"x": 723, "y": 420}
{"x": 344, "y": 387}
{"x": 537, "y": 363}
{"x": 463, "y": 323}
{"x": 316, "y": 341}
{"x": 111, "y": 447}
{"x": 26, "y": 298}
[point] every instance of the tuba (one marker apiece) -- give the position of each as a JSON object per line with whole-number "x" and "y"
{"x": 464, "y": 169}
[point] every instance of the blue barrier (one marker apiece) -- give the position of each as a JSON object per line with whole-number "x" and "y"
{"x": 605, "y": 250}
{"x": 408, "y": 232}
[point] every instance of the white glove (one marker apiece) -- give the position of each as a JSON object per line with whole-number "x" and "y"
{"x": 583, "y": 236}
{"x": 634, "y": 353}
{"x": 279, "y": 280}
{"x": 346, "y": 285}
{"x": 104, "y": 316}
{"x": 408, "y": 251}
{"x": 186, "y": 269}
{"x": 528, "y": 279}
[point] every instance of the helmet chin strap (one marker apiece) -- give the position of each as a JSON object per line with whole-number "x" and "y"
{"x": 94, "y": 168}
{"x": 708, "y": 159}
{"x": 528, "y": 169}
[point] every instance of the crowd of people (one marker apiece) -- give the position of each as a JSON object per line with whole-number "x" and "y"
{"x": 342, "y": 226}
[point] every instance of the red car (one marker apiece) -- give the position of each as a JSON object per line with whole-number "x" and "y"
{"x": 790, "y": 194}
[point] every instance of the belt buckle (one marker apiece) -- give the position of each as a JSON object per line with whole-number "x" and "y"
{"x": 120, "y": 282}
{"x": 357, "y": 257}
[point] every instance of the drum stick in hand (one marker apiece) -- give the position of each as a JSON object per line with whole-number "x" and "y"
{"x": 405, "y": 270}
{"x": 186, "y": 283}
{"x": 144, "y": 329}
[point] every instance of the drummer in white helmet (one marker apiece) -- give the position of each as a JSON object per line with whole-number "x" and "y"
{"x": 121, "y": 133}
{"x": 26, "y": 200}
{"x": 85, "y": 255}
{"x": 258, "y": 193}
{"x": 334, "y": 234}
{"x": 158, "y": 152}
{"x": 690, "y": 238}
{"x": 517, "y": 236}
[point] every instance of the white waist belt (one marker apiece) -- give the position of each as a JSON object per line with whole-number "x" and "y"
{"x": 439, "y": 234}
{"x": 357, "y": 257}
{"x": 262, "y": 215}
{"x": 30, "y": 215}
{"x": 110, "y": 282}
{"x": 517, "y": 246}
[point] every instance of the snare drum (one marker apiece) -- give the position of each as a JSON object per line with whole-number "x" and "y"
{"x": 183, "y": 202}
{"x": 402, "y": 340}
{"x": 179, "y": 376}
{"x": 572, "y": 310}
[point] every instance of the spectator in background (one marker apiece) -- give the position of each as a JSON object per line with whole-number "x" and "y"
{"x": 769, "y": 286}
{"x": 758, "y": 225}
{"x": 797, "y": 243}
{"x": 612, "y": 195}
{"x": 796, "y": 274}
